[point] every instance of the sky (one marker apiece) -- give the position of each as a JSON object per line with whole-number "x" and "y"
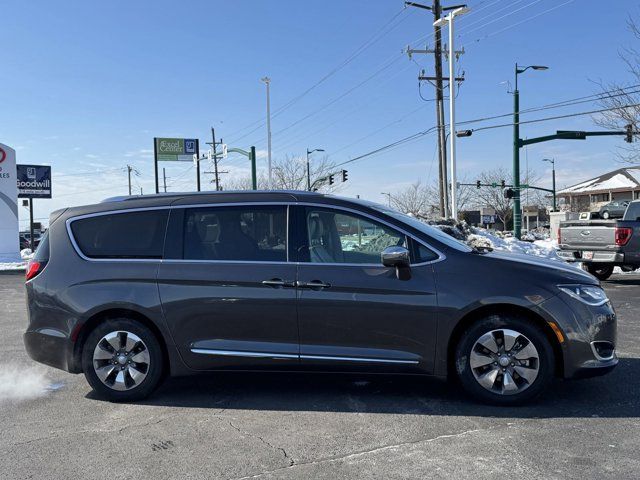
{"x": 86, "y": 86}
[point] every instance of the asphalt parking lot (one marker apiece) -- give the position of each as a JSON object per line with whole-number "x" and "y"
{"x": 314, "y": 426}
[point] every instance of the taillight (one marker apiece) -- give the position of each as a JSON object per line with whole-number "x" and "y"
{"x": 33, "y": 269}
{"x": 623, "y": 234}
{"x": 559, "y": 235}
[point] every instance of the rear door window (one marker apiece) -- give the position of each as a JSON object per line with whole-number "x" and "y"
{"x": 248, "y": 234}
{"x": 138, "y": 234}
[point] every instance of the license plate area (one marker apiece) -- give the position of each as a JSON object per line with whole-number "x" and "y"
{"x": 587, "y": 255}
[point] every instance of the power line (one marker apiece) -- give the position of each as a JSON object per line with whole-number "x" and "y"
{"x": 380, "y": 33}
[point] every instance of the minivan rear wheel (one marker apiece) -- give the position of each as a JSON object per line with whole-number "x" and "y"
{"x": 122, "y": 360}
{"x": 504, "y": 360}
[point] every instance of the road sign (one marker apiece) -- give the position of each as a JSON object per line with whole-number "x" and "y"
{"x": 34, "y": 181}
{"x": 175, "y": 149}
{"x": 488, "y": 219}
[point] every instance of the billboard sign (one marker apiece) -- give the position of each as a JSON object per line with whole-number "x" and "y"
{"x": 175, "y": 149}
{"x": 34, "y": 181}
{"x": 9, "y": 245}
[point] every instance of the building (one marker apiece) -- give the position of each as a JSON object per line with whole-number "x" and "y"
{"x": 621, "y": 184}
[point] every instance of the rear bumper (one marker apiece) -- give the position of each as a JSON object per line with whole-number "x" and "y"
{"x": 50, "y": 347}
{"x": 598, "y": 256}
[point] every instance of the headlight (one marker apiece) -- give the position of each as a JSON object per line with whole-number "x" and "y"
{"x": 589, "y": 294}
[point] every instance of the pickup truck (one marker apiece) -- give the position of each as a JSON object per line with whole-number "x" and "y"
{"x": 603, "y": 244}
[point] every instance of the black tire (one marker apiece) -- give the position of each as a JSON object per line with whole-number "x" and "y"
{"x": 154, "y": 367}
{"x": 605, "y": 215}
{"x": 600, "y": 271}
{"x": 545, "y": 363}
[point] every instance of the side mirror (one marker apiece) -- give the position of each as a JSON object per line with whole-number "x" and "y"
{"x": 397, "y": 257}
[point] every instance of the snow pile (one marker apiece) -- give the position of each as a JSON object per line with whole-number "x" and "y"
{"x": 539, "y": 248}
{"x": 10, "y": 264}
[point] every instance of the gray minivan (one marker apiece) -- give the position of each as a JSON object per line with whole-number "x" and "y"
{"x": 136, "y": 288}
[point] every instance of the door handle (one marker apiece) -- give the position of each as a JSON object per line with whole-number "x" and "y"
{"x": 314, "y": 284}
{"x": 278, "y": 282}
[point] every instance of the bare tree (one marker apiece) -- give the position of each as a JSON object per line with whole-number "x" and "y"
{"x": 290, "y": 173}
{"x": 616, "y": 98}
{"x": 494, "y": 197}
{"x": 416, "y": 200}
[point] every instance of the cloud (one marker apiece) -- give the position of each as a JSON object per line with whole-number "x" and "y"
{"x": 92, "y": 156}
{"x": 140, "y": 153}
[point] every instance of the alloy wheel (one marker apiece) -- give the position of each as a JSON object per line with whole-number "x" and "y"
{"x": 121, "y": 360}
{"x": 504, "y": 362}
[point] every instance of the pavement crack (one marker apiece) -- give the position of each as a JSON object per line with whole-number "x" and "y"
{"x": 377, "y": 449}
{"x": 284, "y": 453}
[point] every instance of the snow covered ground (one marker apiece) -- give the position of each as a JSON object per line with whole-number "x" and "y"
{"x": 9, "y": 265}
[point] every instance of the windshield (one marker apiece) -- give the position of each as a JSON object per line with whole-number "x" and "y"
{"x": 434, "y": 232}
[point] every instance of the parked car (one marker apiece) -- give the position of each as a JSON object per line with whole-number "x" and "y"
{"x": 613, "y": 209}
{"x": 25, "y": 239}
{"x": 603, "y": 244}
{"x": 136, "y": 288}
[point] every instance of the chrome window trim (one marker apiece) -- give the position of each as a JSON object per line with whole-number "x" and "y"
{"x": 441, "y": 256}
{"x": 81, "y": 254}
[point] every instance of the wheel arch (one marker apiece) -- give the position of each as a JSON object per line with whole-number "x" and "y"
{"x": 112, "y": 313}
{"x": 504, "y": 309}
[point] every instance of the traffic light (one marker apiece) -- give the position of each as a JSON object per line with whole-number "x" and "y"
{"x": 331, "y": 180}
{"x": 478, "y": 184}
{"x": 344, "y": 176}
{"x": 502, "y": 183}
{"x": 509, "y": 193}
{"x": 629, "y": 137}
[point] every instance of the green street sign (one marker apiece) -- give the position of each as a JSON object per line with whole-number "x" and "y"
{"x": 175, "y": 149}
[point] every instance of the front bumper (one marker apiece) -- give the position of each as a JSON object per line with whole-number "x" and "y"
{"x": 50, "y": 347}
{"x": 582, "y": 325}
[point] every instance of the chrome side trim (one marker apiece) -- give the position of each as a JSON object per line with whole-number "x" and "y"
{"x": 273, "y": 355}
{"x": 357, "y": 359}
{"x": 233, "y": 353}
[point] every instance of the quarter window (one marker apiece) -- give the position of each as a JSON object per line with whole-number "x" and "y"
{"x": 122, "y": 235}
{"x": 252, "y": 233}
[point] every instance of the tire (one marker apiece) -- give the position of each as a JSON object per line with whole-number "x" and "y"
{"x": 605, "y": 215}
{"x": 600, "y": 271}
{"x": 130, "y": 372}
{"x": 483, "y": 376}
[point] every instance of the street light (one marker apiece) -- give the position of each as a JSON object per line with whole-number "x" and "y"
{"x": 309, "y": 152}
{"x": 388, "y": 197}
{"x": 452, "y": 97}
{"x": 517, "y": 215}
{"x": 552, "y": 161}
{"x": 267, "y": 82}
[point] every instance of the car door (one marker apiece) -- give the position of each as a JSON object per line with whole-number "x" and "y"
{"x": 354, "y": 313}
{"x": 227, "y": 288}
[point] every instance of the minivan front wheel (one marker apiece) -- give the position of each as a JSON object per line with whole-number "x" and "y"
{"x": 504, "y": 360}
{"x": 122, "y": 360}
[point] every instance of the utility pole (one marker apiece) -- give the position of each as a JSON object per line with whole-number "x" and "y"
{"x": 449, "y": 19}
{"x": 267, "y": 82}
{"x": 213, "y": 145}
{"x": 129, "y": 174}
{"x": 164, "y": 179}
{"x": 443, "y": 186}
